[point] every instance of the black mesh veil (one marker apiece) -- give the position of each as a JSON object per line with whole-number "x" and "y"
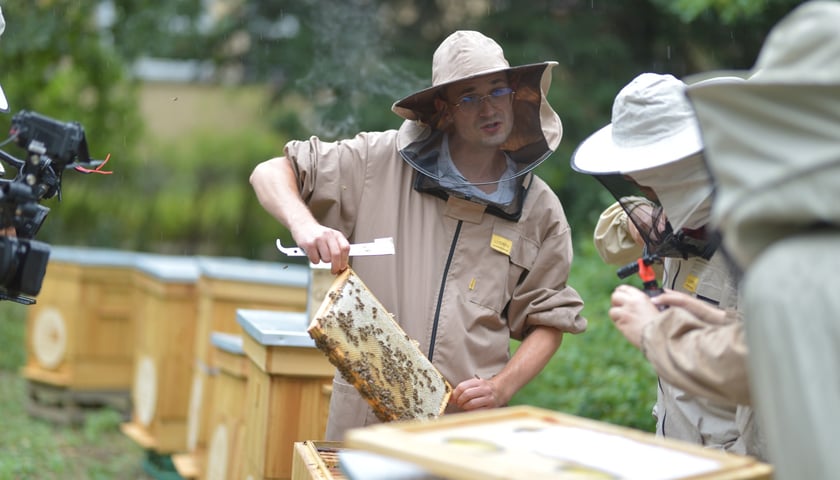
{"x": 647, "y": 215}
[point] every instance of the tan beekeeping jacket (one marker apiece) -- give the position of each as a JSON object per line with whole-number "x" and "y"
{"x": 463, "y": 282}
{"x": 686, "y": 416}
{"x": 702, "y": 358}
{"x": 703, "y": 391}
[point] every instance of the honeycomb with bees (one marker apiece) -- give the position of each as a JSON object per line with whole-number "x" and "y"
{"x": 373, "y": 353}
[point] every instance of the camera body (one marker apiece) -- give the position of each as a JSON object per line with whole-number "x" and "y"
{"x": 62, "y": 142}
{"x": 23, "y": 264}
{"x": 51, "y": 147}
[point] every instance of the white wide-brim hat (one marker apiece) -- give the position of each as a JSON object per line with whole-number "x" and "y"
{"x": 653, "y": 124}
{"x": 773, "y": 141}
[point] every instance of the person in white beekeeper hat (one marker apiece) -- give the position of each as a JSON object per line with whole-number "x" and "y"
{"x": 483, "y": 247}
{"x": 654, "y": 146}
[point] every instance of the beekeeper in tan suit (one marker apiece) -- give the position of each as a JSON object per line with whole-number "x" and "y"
{"x": 773, "y": 146}
{"x": 483, "y": 248}
{"x": 654, "y": 145}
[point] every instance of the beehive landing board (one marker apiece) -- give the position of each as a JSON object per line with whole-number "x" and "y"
{"x": 362, "y": 339}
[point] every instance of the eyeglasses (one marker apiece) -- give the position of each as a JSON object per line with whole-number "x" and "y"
{"x": 497, "y": 98}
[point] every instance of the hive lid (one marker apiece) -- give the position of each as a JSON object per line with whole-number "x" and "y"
{"x": 253, "y": 271}
{"x": 169, "y": 268}
{"x": 91, "y": 256}
{"x": 276, "y": 328}
{"x": 227, "y": 342}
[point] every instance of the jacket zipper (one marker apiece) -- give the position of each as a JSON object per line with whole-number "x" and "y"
{"x": 442, "y": 288}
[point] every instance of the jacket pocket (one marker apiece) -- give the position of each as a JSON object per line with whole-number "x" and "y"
{"x": 510, "y": 255}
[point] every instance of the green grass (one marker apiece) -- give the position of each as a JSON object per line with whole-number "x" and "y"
{"x": 31, "y": 448}
{"x": 596, "y": 375}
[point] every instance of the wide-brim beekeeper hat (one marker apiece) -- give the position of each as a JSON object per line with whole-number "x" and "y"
{"x": 773, "y": 141}
{"x": 653, "y": 139}
{"x": 4, "y": 104}
{"x": 464, "y": 55}
{"x": 652, "y": 124}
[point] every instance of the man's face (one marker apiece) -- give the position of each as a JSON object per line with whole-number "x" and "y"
{"x": 481, "y": 110}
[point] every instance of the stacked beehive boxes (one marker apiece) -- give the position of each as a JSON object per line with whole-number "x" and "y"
{"x": 194, "y": 344}
{"x": 226, "y": 413}
{"x": 288, "y": 392}
{"x": 81, "y": 335}
{"x": 165, "y": 289}
{"x": 224, "y": 286}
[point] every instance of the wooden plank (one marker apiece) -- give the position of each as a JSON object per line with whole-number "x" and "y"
{"x": 316, "y": 460}
{"x": 35, "y": 372}
{"x": 67, "y": 406}
{"x": 292, "y": 361}
{"x": 294, "y": 408}
{"x": 281, "y": 410}
{"x": 187, "y": 465}
{"x": 533, "y": 443}
{"x": 102, "y": 373}
{"x": 256, "y": 422}
{"x": 139, "y": 434}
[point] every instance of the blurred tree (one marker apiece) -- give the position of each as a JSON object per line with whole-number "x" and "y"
{"x": 729, "y": 11}
{"x": 353, "y": 59}
{"x": 334, "y": 67}
{"x": 174, "y": 29}
{"x": 600, "y": 46}
{"x": 55, "y": 63}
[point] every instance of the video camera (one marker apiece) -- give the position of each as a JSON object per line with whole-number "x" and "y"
{"x": 52, "y": 146}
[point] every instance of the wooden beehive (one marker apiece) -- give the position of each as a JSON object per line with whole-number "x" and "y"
{"x": 288, "y": 393}
{"x": 80, "y": 331}
{"x": 531, "y": 443}
{"x": 226, "y": 447}
{"x": 228, "y": 284}
{"x": 316, "y": 461}
{"x": 375, "y": 355}
{"x": 223, "y": 456}
{"x": 224, "y": 286}
{"x": 164, "y": 351}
